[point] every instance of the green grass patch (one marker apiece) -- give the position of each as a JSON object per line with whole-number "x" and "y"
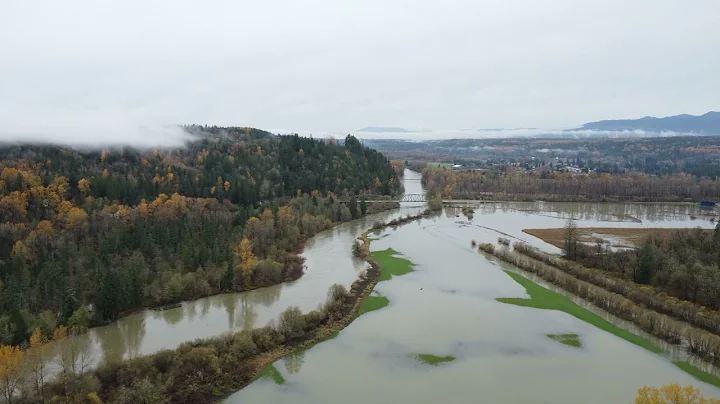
{"x": 434, "y": 360}
{"x": 698, "y": 373}
{"x": 541, "y": 298}
{"x": 567, "y": 339}
{"x": 372, "y": 303}
{"x": 271, "y": 372}
{"x": 390, "y": 265}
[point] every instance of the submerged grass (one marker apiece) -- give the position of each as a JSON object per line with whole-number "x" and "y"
{"x": 271, "y": 372}
{"x": 568, "y": 339}
{"x": 390, "y": 265}
{"x": 698, "y": 373}
{"x": 541, "y": 298}
{"x": 434, "y": 360}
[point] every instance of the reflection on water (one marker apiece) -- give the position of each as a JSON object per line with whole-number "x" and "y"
{"x": 122, "y": 339}
{"x": 294, "y": 362}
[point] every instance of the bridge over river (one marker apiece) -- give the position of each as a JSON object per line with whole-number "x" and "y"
{"x": 419, "y": 198}
{"x": 385, "y": 198}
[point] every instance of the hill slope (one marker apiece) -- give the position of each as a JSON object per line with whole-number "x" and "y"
{"x": 124, "y": 229}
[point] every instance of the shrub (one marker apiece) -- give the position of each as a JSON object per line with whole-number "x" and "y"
{"x": 335, "y": 301}
{"x": 80, "y": 319}
{"x": 141, "y": 392}
{"x": 266, "y": 338}
{"x": 314, "y": 319}
{"x": 194, "y": 376}
{"x": 267, "y": 272}
{"x": 243, "y": 346}
{"x": 357, "y": 248}
{"x": 291, "y": 323}
{"x": 163, "y": 360}
{"x": 487, "y": 247}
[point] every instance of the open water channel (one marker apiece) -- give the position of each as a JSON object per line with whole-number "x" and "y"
{"x": 446, "y": 307}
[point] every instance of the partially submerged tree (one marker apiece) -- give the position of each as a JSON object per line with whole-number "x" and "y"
{"x": 570, "y": 244}
{"x": 436, "y": 202}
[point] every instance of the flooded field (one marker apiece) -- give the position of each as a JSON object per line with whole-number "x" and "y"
{"x": 446, "y": 308}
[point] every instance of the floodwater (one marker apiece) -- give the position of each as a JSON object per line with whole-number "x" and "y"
{"x": 448, "y": 307}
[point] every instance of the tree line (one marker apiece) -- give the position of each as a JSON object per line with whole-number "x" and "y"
{"x": 88, "y": 235}
{"x": 684, "y": 265}
{"x": 520, "y": 185}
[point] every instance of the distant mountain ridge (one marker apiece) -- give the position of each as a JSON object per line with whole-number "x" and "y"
{"x": 708, "y": 124}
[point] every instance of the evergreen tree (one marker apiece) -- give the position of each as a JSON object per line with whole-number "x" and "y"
{"x": 352, "y": 205}
{"x": 645, "y": 264}
{"x": 229, "y": 279}
{"x": 109, "y": 296}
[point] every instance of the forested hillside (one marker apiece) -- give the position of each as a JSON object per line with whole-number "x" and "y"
{"x": 86, "y": 235}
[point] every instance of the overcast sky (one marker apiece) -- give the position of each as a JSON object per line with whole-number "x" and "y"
{"x": 87, "y": 68}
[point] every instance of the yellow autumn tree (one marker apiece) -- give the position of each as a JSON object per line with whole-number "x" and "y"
{"x": 60, "y": 333}
{"x": 144, "y": 209}
{"x": 21, "y": 251}
{"x": 64, "y": 207}
{"x": 377, "y": 184}
{"x": 36, "y": 360}
{"x": 62, "y": 186}
{"x": 226, "y": 185}
{"x": 77, "y": 218}
{"x": 672, "y": 394}
{"x": 12, "y": 373}
{"x": 247, "y": 259}
{"x": 84, "y": 186}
